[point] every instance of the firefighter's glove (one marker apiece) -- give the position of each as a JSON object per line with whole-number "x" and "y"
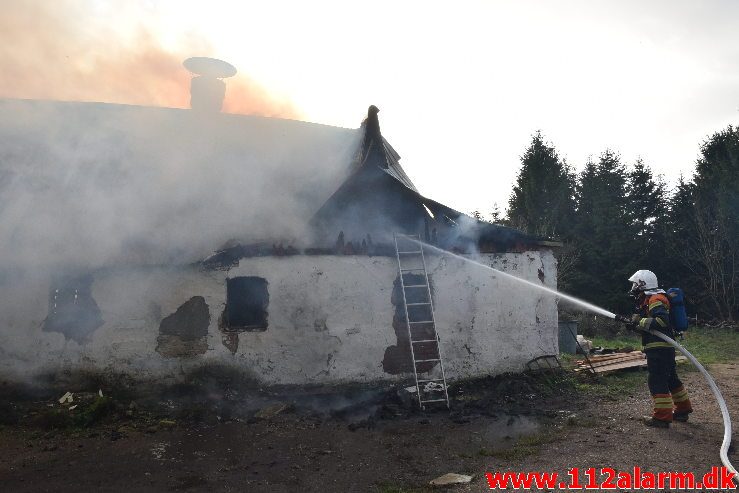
{"x": 626, "y": 321}
{"x": 633, "y": 323}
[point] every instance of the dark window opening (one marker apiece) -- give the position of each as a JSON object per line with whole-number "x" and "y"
{"x": 72, "y": 309}
{"x": 246, "y": 303}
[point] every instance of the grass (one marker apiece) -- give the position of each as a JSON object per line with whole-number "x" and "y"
{"x": 614, "y": 386}
{"x": 707, "y": 344}
{"x": 620, "y": 341}
{"x": 83, "y": 417}
{"x": 712, "y": 345}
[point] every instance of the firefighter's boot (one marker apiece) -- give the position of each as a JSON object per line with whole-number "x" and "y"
{"x": 683, "y": 408}
{"x": 655, "y": 423}
{"x": 662, "y": 415}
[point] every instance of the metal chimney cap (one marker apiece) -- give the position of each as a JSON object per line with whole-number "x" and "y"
{"x": 210, "y": 67}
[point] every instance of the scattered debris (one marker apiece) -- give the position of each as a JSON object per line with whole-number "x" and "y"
{"x": 407, "y": 396}
{"x": 584, "y": 344}
{"x": 548, "y": 362}
{"x": 434, "y": 387}
{"x": 66, "y": 398}
{"x": 450, "y": 478}
{"x": 721, "y": 325}
{"x": 605, "y": 350}
{"x": 159, "y": 449}
{"x": 273, "y": 410}
{"x": 617, "y": 361}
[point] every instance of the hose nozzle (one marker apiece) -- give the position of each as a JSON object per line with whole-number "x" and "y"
{"x": 628, "y": 322}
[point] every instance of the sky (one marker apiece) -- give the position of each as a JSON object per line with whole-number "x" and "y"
{"x": 461, "y": 86}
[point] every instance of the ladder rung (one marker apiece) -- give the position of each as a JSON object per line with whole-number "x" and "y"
{"x": 433, "y": 400}
{"x": 417, "y": 304}
{"x": 432, "y": 380}
{"x": 425, "y": 360}
{"x": 413, "y": 252}
{"x": 421, "y": 269}
{"x": 424, "y": 340}
{"x": 416, "y": 286}
{"x": 422, "y": 322}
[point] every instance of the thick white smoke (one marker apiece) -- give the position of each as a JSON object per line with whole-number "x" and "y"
{"x": 89, "y": 185}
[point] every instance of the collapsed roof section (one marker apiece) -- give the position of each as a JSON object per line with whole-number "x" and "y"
{"x": 378, "y": 198}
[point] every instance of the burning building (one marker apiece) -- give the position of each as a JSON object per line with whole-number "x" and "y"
{"x": 147, "y": 241}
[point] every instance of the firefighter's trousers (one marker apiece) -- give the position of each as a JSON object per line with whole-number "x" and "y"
{"x": 667, "y": 390}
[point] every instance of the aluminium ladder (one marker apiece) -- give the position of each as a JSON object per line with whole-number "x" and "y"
{"x": 420, "y": 321}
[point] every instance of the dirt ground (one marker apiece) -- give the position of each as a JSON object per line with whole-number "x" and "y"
{"x": 376, "y": 444}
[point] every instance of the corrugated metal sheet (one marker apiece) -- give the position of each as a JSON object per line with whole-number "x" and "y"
{"x": 393, "y": 166}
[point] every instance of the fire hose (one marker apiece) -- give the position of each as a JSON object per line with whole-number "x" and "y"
{"x": 724, "y": 451}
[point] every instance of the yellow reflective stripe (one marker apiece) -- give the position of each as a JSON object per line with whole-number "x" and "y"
{"x": 680, "y": 396}
{"x": 661, "y": 322}
{"x": 645, "y": 322}
{"x": 653, "y": 345}
{"x": 655, "y": 304}
{"x": 663, "y": 400}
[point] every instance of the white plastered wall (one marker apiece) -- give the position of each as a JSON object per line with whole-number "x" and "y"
{"x": 330, "y": 319}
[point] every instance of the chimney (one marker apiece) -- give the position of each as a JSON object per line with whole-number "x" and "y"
{"x": 207, "y": 90}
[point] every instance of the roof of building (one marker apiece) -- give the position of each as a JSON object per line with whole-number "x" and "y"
{"x": 364, "y": 196}
{"x": 102, "y": 184}
{"x": 377, "y": 151}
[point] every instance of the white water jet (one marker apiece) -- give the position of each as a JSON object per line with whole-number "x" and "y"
{"x": 553, "y": 292}
{"x": 723, "y": 453}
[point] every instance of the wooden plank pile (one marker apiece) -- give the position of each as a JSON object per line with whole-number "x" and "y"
{"x": 604, "y": 363}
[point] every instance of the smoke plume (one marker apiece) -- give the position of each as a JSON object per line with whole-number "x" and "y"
{"x": 90, "y": 184}
{"x": 57, "y": 51}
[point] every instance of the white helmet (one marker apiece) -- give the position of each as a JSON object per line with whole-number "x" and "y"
{"x": 643, "y": 280}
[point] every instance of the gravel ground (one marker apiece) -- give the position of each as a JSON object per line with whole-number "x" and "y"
{"x": 496, "y": 425}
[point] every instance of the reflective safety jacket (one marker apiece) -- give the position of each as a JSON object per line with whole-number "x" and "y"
{"x": 655, "y": 312}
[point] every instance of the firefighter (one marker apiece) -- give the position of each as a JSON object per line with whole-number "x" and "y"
{"x": 671, "y": 402}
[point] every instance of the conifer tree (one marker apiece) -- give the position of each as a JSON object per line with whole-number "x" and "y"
{"x": 716, "y": 203}
{"x": 542, "y": 201}
{"x": 647, "y": 213}
{"x": 604, "y": 232}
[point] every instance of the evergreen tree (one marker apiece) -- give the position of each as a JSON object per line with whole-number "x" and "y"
{"x": 542, "y": 201}
{"x": 604, "y": 232}
{"x": 716, "y": 203}
{"x": 681, "y": 245}
{"x": 647, "y": 213}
